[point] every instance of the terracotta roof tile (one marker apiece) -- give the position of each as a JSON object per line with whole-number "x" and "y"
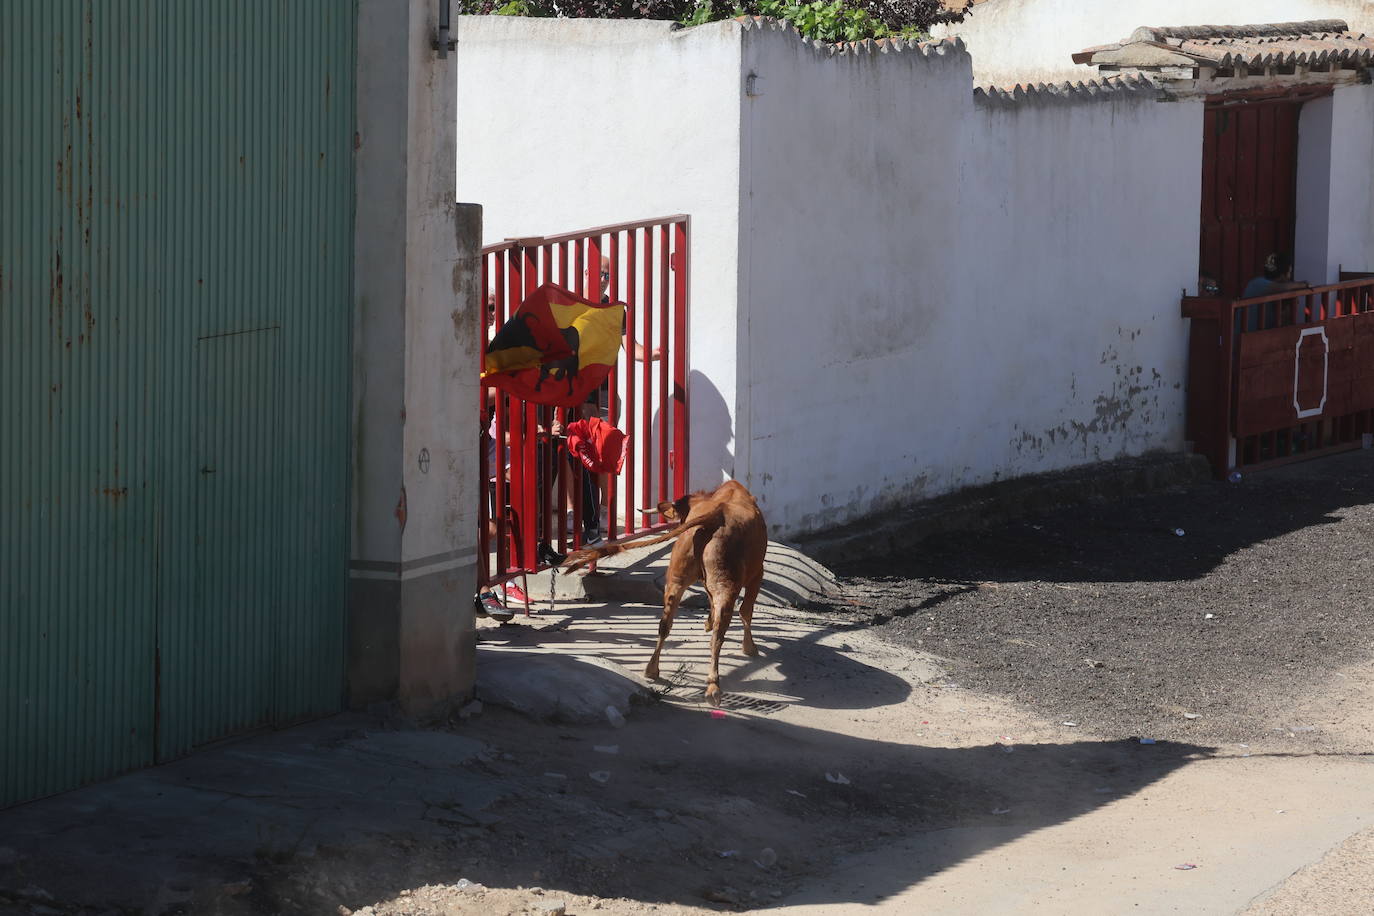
{"x": 1320, "y": 43}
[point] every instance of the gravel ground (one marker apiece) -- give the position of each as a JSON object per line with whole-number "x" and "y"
{"x": 1226, "y": 602}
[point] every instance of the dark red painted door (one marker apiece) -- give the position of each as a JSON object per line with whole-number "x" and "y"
{"x": 1249, "y": 189}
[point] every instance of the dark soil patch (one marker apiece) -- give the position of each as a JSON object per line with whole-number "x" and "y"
{"x": 1098, "y": 614}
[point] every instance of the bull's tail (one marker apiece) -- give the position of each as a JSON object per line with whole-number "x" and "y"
{"x": 579, "y": 558}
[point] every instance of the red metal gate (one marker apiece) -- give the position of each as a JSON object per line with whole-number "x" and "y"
{"x": 1279, "y": 377}
{"x": 541, "y": 500}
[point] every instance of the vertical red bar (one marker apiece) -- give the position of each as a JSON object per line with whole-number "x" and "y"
{"x": 591, "y": 289}
{"x": 560, "y": 277}
{"x": 646, "y": 306}
{"x": 548, "y": 459}
{"x": 502, "y": 495}
{"x": 681, "y": 434}
{"x": 665, "y": 418}
{"x": 580, "y": 269}
{"x": 629, "y": 298}
{"x": 483, "y": 463}
{"x": 515, "y": 430}
{"x": 515, "y": 291}
{"x": 529, "y": 270}
{"x": 613, "y": 380}
{"x": 529, "y": 502}
{"x": 591, "y": 277}
{"x": 545, "y": 458}
{"x": 515, "y": 424}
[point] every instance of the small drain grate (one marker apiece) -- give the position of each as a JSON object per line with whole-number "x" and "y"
{"x": 753, "y": 704}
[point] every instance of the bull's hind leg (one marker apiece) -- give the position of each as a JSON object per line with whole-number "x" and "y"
{"x": 746, "y": 615}
{"x": 672, "y": 597}
{"x": 722, "y": 605}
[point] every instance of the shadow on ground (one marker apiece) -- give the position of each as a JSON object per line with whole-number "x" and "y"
{"x": 355, "y": 810}
{"x": 348, "y": 812}
{"x": 809, "y": 673}
{"x": 1135, "y": 540}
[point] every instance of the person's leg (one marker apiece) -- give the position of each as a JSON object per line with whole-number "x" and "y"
{"x": 591, "y": 507}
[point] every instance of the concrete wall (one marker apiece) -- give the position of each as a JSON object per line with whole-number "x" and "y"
{"x": 1032, "y": 41}
{"x": 1335, "y": 224}
{"x": 413, "y": 567}
{"x": 850, "y": 216}
{"x": 570, "y": 124}
{"x": 1351, "y": 225}
{"x": 900, "y": 288}
{"x": 1080, "y": 228}
{"x": 1310, "y": 247}
{"x": 943, "y": 293}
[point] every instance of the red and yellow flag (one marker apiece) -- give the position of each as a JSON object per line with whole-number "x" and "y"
{"x": 556, "y": 349}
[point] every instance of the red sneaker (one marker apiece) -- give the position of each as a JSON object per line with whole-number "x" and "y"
{"x": 516, "y": 593}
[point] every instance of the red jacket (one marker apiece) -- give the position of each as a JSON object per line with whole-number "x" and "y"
{"x": 598, "y": 444}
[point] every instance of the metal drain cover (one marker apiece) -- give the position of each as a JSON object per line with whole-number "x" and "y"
{"x": 753, "y": 704}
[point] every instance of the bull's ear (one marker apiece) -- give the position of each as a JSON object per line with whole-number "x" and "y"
{"x": 667, "y": 510}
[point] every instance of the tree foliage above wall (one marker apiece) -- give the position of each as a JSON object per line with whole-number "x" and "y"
{"x": 827, "y": 20}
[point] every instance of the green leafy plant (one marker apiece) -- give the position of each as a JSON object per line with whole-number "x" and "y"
{"x": 827, "y": 20}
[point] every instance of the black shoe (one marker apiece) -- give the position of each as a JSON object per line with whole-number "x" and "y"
{"x": 488, "y": 605}
{"x": 549, "y": 556}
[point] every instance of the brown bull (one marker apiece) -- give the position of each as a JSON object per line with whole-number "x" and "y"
{"x": 721, "y": 541}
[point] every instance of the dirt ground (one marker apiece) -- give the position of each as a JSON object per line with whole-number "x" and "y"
{"x": 1095, "y": 615}
{"x": 1208, "y": 614}
{"x": 890, "y": 743}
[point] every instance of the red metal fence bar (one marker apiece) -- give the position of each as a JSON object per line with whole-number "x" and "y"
{"x": 532, "y": 485}
{"x": 1280, "y": 377}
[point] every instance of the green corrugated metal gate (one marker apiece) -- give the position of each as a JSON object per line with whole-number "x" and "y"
{"x": 176, "y": 205}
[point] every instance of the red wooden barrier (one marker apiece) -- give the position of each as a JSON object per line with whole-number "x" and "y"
{"x": 1280, "y": 377}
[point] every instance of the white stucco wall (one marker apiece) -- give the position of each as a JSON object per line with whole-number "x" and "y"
{"x": 1351, "y": 225}
{"x": 1310, "y": 246}
{"x": 1032, "y": 41}
{"x": 899, "y": 290}
{"x": 1080, "y": 233}
{"x": 569, "y": 124}
{"x": 943, "y": 293}
{"x": 1335, "y": 220}
{"x": 850, "y": 221}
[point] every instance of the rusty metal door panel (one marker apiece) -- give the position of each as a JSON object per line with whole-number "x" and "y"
{"x": 172, "y": 172}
